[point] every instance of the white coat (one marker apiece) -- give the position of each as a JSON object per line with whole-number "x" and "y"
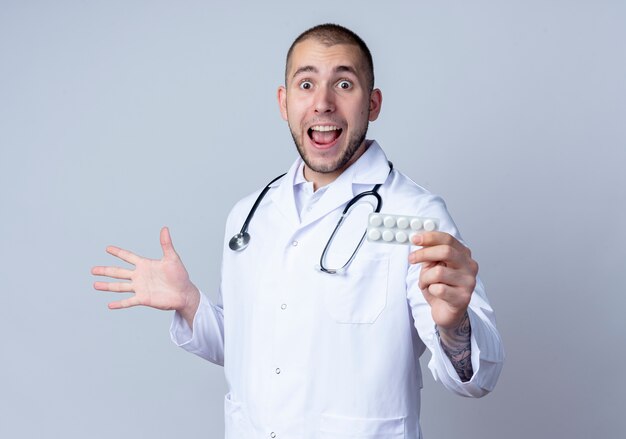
{"x": 308, "y": 355}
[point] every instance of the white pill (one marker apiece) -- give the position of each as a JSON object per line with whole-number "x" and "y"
{"x": 403, "y": 223}
{"x": 376, "y": 220}
{"x": 388, "y": 235}
{"x": 429, "y": 225}
{"x": 374, "y": 235}
{"x": 401, "y": 237}
{"x": 413, "y": 235}
{"x": 389, "y": 221}
{"x": 416, "y": 224}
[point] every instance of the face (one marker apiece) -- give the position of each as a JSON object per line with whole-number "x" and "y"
{"x": 327, "y": 104}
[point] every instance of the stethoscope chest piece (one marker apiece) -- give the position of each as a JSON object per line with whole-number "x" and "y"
{"x": 239, "y": 241}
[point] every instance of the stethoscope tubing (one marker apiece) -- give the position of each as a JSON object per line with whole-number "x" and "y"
{"x": 352, "y": 202}
{"x": 244, "y": 228}
{"x": 240, "y": 240}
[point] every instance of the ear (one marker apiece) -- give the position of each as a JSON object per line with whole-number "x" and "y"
{"x": 376, "y": 101}
{"x": 282, "y": 101}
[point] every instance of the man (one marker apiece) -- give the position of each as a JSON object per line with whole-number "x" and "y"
{"x": 308, "y": 353}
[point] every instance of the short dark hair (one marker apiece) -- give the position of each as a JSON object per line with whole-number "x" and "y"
{"x": 331, "y": 34}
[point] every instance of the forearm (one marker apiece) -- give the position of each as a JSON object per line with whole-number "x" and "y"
{"x": 456, "y": 344}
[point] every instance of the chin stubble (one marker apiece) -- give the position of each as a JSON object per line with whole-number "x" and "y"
{"x": 353, "y": 146}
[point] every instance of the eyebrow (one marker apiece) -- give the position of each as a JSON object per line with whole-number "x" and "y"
{"x": 338, "y": 69}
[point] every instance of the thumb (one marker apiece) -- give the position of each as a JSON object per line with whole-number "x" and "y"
{"x": 166, "y": 243}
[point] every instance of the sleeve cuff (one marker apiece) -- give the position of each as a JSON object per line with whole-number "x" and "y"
{"x": 486, "y": 362}
{"x": 180, "y": 331}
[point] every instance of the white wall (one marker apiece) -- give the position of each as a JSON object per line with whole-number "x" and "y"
{"x": 119, "y": 117}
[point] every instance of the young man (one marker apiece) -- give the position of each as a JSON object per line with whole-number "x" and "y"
{"x": 316, "y": 343}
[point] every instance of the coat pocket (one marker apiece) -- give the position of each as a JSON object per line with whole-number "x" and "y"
{"x": 359, "y": 295}
{"x": 235, "y": 422}
{"x": 340, "y": 427}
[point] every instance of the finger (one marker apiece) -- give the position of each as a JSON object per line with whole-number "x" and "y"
{"x": 124, "y": 255}
{"x": 166, "y": 242}
{"x": 440, "y": 253}
{"x": 126, "y": 303}
{"x": 429, "y": 265}
{"x": 438, "y": 274}
{"x": 114, "y": 272}
{"x": 442, "y": 274}
{"x": 116, "y": 287}
{"x": 453, "y": 296}
{"x": 428, "y": 239}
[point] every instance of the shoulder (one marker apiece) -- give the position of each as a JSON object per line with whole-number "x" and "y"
{"x": 242, "y": 208}
{"x": 401, "y": 189}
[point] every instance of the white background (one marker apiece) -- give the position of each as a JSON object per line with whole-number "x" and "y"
{"x": 118, "y": 117}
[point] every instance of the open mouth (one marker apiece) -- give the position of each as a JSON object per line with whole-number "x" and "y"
{"x": 324, "y": 135}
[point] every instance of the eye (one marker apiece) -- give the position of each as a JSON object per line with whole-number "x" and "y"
{"x": 306, "y": 85}
{"x": 344, "y": 84}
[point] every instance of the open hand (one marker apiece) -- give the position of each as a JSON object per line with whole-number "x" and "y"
{"x": 162, "y": 284}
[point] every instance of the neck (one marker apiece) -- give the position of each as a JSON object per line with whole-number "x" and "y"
{"x": 321, "y": 179}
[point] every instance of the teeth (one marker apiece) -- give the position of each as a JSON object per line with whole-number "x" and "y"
{"x": 324, "y": 128}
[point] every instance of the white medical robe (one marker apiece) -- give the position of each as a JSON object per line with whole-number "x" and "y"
{"x": 308, "y": 355}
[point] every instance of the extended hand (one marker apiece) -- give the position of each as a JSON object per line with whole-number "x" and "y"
{"x": 162, "y": 284}
{"x": 448, "y": 276}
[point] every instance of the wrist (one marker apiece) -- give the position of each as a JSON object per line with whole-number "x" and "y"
{"x": 455, "y": 334}
{"x": 452, "y": 323}
{"x": 190, "y": 304}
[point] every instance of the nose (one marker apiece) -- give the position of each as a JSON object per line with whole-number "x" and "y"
{"x": 324, "y": 100}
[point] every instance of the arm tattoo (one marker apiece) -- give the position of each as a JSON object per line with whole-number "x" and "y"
{"x": 457, "y": 345}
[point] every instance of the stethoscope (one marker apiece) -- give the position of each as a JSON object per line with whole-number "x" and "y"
{"x": 241, "y": 240}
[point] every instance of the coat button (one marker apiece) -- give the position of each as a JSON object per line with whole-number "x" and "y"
{"x": 272, "y": 434}
{"x": 283, "y": 306}
{"x": 295, "y": 243}
{"x": 277, "y": 370}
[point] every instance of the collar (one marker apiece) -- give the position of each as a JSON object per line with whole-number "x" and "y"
{"x": 299, "y": 176}
{"x": 370, "y": 169}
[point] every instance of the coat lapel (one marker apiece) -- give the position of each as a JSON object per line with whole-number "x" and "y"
{"x": 370, "y": 169}
{"x": 283, "y": 198}
{"x": 338, "y": 193}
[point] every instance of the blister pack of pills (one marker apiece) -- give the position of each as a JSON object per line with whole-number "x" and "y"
{"x": 397, "y": 229}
